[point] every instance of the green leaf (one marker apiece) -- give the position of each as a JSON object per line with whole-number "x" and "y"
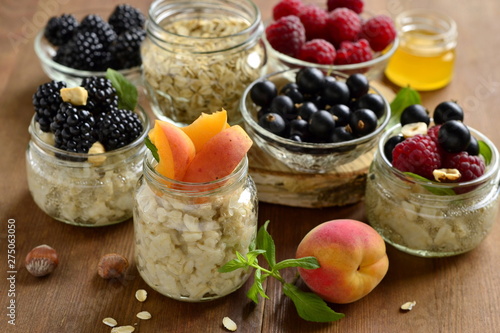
{"x": 405, "y": 97}
{"x": 485, "y": 150}
{"x": 252, "y": 255}
{"x": 432, "y": 189}
{"x": 266, "y": 242}
{"x": 232, "y": 266}
{"x": 126, "y": 91}
{"x": 310, "y": 306}
{"x": 305, "y": 262}
{"x": 257, "y": 289}
{"x": 153, "y": 148}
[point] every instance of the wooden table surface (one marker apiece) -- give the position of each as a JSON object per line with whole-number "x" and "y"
{"x": 458, "y": 294}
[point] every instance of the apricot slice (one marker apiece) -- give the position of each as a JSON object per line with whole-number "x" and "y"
{"x": 219, "y": 156}
{"x": 205, "y": 127}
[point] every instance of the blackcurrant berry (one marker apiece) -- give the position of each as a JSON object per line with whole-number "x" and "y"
{"x": 415, "y": 113}
{"x": 454, "y": 136}
{"x": 292, "y": 90}
{"x": 473, "y": 147}
{"x": 362, "y": 122}
{"x": 341, "y": 113}
{"x": 336, "y": 92}
{"x": 299, "y": 127}
{"x": 295, "y": 137}
{"x": 390, "y": 144}
{"x": 321, "y": 124}
{"x": 341, "y": 134}
{"x": 358, "y": 85}
{"x": 273, "y": 122}
{"x": 447, "y": 110}
{"x": 374, "y": 102}
{"x": 282, "y": 104}
{"x": 306, "y": 109}
{"x": 263, "y": 92}
{"x": 310, "y": 80}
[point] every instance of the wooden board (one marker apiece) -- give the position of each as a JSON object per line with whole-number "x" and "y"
{"x": 278, "y": 184}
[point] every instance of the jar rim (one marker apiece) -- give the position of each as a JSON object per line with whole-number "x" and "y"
{"x": 78, "y": 157}
{"x": 407, "y": 20}
{"x": 491, "y": 169}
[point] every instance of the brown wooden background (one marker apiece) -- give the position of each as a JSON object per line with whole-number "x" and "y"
{"x": 459, "y": 294}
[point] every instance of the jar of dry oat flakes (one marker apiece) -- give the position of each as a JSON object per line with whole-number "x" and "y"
{"x": 200, "y": 55}
{"x": 184, "y": 232}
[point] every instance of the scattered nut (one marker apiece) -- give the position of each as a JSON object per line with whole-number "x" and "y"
{"x": 123, "y": 329}
{"x": 141, "y": 295}
{"x": 413, "y": 129}
{"x": 97, "y": 148}
{"x": 112, "y": 265}
{"x": 144, "y": 315}
{"x": 74, "y": 95}
{"x": 41, "y": 261}
{"x": 229, "y": 324}
{"x": 408, "y": 306}
{"x": 446, "y": 175}
{"x": 110, "y": 322}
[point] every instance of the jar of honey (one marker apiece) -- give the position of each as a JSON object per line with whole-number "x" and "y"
{"x": 426, "y": 55}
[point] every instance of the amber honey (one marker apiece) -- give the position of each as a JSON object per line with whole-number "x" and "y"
{"x": 425, "y": 58}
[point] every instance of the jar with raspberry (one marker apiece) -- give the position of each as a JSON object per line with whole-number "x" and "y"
{"x": 428, "y": 218}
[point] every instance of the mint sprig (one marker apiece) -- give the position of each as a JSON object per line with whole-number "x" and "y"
{"x": 309, "y": 305}
{"x": 126, "y": 91}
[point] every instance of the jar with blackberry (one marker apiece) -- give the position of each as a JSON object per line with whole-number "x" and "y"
{"x": 200, "y": 56}
{"x": 85, "y": 154}
{"x": 442, "y": 204}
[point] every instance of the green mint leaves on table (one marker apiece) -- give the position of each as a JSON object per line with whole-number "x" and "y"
{"x": 126, "y": 91}
{"x": 309, "y": 305}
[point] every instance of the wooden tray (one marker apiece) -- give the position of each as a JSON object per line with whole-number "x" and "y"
{"x": 278, "y": 184}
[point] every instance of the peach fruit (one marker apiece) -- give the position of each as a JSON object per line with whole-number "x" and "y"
{"x": 175, "y": 149}
{"x": 352, "y": 256}
{"x": 205, "y": 127}
{"x": 219, "y": 156}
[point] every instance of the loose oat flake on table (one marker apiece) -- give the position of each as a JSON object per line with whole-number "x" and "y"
{"x": 141, "y": 295}
{"x": 110, "y": 321}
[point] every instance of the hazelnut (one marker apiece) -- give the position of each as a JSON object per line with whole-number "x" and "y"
{"x": 413, "y": 129}
{"x": 112, "y": 266}
{"x": 41, "y": 261}
{"x": 446, "y": 175}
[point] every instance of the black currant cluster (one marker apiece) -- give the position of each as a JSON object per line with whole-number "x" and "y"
{"x": 95, "y": 44}
{"x": 318, "y": 108}
{"x": 77, "y": 127}
{"x": 453, "y": 135}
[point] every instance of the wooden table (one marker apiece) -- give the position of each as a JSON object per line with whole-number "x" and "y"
{"x": 459, "y": 294}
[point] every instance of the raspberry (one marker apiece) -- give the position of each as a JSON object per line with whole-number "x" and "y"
{"x": 314, "y": 20}
{"x": 318, "y": 51}
{"x": 125, "y": 17}
{"x": 418, "y": 154}
{"x": 470, "y": 167}
{"x": 60, "y": 29}
{"x": 342, "y": 24}
{"x": 433, "y": 133}
{"x": 287, "y": 7}
{"x": 286, "y": 35}
{"x": 379, "y": 31}
{"x": 353, "y": 52}
{"x": 354, "y": 5}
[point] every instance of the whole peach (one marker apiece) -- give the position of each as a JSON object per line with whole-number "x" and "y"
{"x": 352, "y": 257}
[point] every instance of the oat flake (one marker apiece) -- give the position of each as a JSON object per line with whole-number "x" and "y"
{"x": 408, "y": 306}
{"x": 141, "y": 295}
{"x": 123, "y": 329}
{"x": 144, "y": 315}
{"x": 229, "y": 324}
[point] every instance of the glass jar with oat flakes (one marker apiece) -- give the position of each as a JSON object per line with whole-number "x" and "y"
{"x": 200, "y": 55}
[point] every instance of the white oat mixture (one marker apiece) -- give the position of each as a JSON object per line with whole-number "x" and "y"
{"x": 180, "y": 245}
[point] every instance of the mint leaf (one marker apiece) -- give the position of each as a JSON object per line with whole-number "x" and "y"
{"x": 305, "y": 262}
{"x": 233, "y": 265}
{"x": 310, "y": 306}
{"x": 252, "y": 256}
{"x": 432, "y": 189}
{"x": 152, "y": 147}
{"x": 485, "y": 150}
{"x": 126, "y": 91}
{"x": 405, "y": 97}
{"x": 266, "y": 242}
{"x": 257, "y": 289}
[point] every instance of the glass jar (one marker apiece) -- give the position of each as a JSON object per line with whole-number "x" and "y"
{"x": 199, "y": 56}
{"x": 84, "y": 189}
{"x": 431, "y": 219}
{"x": 184, "y": 232}
{"x": 425, "y": 58}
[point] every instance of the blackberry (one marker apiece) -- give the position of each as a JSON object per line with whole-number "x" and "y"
{"x": 118, "y": 128}
{"x": 60, "y": 29}
{"x": 73, "y": 128}
{"x": 103, "y": 30}
{"x": 126, "y": 49}
{"x": 102, "y": 96}
{"x": 46, "y": 101}
{"x": 85, "y": 52}
{"x": 125, "y": 17}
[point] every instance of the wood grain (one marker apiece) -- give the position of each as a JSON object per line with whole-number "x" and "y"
{"x": 459, "y": 294}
